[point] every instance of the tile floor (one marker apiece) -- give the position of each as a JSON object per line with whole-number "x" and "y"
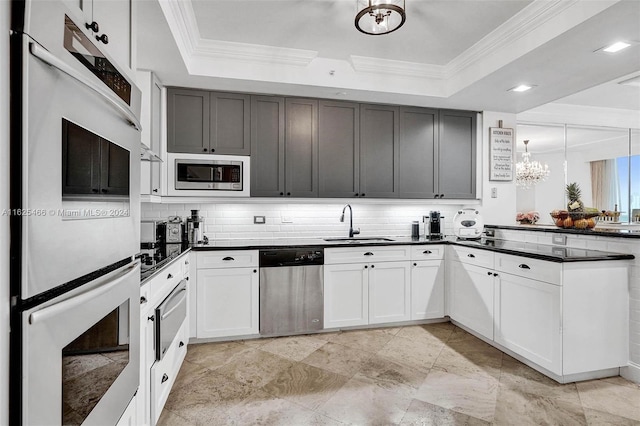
{"x": 435, "y": 374}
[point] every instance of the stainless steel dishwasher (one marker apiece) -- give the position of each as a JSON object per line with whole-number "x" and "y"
{"x": 291, "y": 290}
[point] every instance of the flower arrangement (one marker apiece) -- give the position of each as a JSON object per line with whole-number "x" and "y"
{"x": 529, "y": 218}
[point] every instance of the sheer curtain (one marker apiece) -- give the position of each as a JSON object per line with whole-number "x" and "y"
{"x": 605, "y": 187}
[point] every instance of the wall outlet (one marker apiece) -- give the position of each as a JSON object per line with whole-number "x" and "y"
{"x": 259, "y": 220}
{"x": 287, "y": 219}
{"x": 494, "y": 192}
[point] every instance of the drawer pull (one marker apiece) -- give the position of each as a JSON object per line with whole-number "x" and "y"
{"x": 169, "y": 276}
{"x": 186, "y": 262}
{"x": 228, "y": 258}
{"x": 143, "y": 300}
{"x": 368, "y": 253}
{"x": 373, "y": 266}
{"x": 151, "y": 318}
{"x": 489, "y": 273}
{"x": 523, "y": 266}
{"x": 427, "y": 252}
{"x": 495, "y": 275}
{"x": 164, "y": 378}
{"x": 415, "y": 264}
{"x": 366, "y": 266}
{"x": 186, "y": 278}
{"x": 471, "y": 255}
{"x": 181, "y": 344}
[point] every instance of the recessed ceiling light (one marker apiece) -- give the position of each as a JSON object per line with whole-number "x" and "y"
{"x": 521, "y": 88}
{"x": 616, "y": 47}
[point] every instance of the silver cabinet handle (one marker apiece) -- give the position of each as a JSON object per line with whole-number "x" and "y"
{"x": 228, "y": 258}
{"x": 523, "y": 266}
{"x": 44, "y": 55}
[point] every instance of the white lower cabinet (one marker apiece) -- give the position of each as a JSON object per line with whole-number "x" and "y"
{"x": 346, "y": 295}
{"x": 527, "y": 319}
{"x": 427, "y": 289}
{"x": 227, "y": 302}
{"x": 129, "y": 417}
{"x": 389, "y": 292}
{"x": 472, "y": 294}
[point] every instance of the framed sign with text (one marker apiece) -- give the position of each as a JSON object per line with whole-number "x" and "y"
{"x": 500, "y": 154}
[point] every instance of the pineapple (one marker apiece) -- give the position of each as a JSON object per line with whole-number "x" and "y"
{"x": 574, "y": 193}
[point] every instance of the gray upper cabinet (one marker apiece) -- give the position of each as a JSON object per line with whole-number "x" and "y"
{"x": 338, "y": 149}
{"x": 379, "y": 150}
{"x": 418, "y": 152}
{"x": 230, "y": 124}
{"x": 457, "y": 154}
{"x": 202, "y": 122}
{"x": 187, "y": 121}
{"x": 267, "y": 146}
{"x": 301, "y": 147}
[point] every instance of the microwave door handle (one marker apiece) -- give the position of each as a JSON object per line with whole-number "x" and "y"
{"x": 177, "y": 305}
{"x": 53, "y": 310}
{"x": 44, "y": 55}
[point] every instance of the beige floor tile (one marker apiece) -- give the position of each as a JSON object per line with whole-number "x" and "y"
{"x": 476, "y": 365}
{"x": 305, "y": 385}
{"x": 413, "y": 353}
{"x": 476, "y": 398}
{"x": 600, "y": 418}
{"x": 207, "y": 399}
{"x": 326, "y": 336}
{"x": 426, "y": 331}
{"x": 215, "y": 355}
{"x": 518, "y": 377}
{"x": 461, "y": 335}
{"x": 392, "y": 376}
{"x": 621, "y": 381}
{"x": 358, "y": 402}
{"x": 338, "y": 359}
{"x": 255, "y": 368}
{"x": 601, "y": 395}
{"x": 390, "y": 330}
{"x": 294, "y": 348}
{"x": 168, "y": 418}
{"x": 518, "y": 408}
{"x": 422, "y": 413}
{"x": 369, "y": 341}
{"x": 256, "y": 343}
{"x": 320, "y": 420}
{"x": 263, "y": 409}
{"x": 189, "y": 372}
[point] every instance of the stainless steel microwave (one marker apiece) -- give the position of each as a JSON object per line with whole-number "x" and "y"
{"x": 196, "y": 174}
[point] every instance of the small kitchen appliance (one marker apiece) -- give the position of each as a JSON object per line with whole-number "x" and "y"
{"x": 195, "y": 225}
{"x": 468, "y": 224}
{"x": 174, "y": 230}
{"x": 434, "y": 227}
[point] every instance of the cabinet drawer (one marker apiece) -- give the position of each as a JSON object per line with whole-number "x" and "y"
{"x": 162, "y": 283}
{"x": 228, "y": 259}
{"x": 427, "y": 252}
{"x": 164, "y": 372}
{"x": 535, "y": 269}
{"x": 145, "y": 298}
{"x": 483, "y": 258}
{"x": 366, "y": 254}
{"x": 186, "y": 261}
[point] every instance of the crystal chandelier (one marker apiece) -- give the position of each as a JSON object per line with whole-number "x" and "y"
{"x": 529, "y": 173}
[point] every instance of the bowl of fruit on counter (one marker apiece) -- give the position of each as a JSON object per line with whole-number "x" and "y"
{"x": 576, "y": 215}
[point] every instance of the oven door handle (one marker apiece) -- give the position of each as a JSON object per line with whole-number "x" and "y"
{"x": 177, "y": 305}
{"x": 53, "y": 310}
{"x": 42, "y": 54}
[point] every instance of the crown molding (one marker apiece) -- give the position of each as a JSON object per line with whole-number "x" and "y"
{"x": 182, "y": 22}
{"x": 400, "y": 68}
{"x": 253, "y": 53}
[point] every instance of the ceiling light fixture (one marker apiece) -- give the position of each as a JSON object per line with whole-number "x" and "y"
{"x": 616, "y": 47}
{"x": 529, "y": 173}
{"x": 521, "y": 88}
{"x": 377, "y": 17}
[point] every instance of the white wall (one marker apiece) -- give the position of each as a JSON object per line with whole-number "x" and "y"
{"x": 5, "y": 8}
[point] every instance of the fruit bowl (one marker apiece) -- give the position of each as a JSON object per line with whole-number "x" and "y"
{"x": 574, "y": 220}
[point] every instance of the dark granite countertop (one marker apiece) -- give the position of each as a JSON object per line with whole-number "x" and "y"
{"x": 551, "y": 253}
{"x": 600, "y": 230}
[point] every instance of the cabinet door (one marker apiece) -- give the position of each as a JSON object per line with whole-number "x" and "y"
{"x": 80, "y": 161}
{"x": 230, "y": 124}
{"x": 188, "y": 121}
{"x": 418, "y": 140}
{"x": 227, "y": 302}
{"x": 389, "y": 292}
{"x": 114, "y": 174}
{"x": 114, "y": 20}
{"x": 457, "y": 154}
{"x": 338, "y": 149}
{"x": 472, "y": 297}
{"x": 527, "y": 319}
{"x": 427, "y": 289}
{"x": 378, "y": 151}
{"x": 267, "y": 146}
{"x": 301, "y": 148}
{"x": 147, "y": 358}
{"x": 346, "y": 295}
{"x": 156, "y": 132}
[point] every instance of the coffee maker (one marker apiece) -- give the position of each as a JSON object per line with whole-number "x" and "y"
{"x": 194, "y": 228}
{"x": 434, "y": 226}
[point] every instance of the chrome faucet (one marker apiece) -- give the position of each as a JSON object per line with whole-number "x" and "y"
{"x": 351, "y": 231}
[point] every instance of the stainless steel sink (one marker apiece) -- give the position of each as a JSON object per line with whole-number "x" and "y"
{"x": 359, "y": 239}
